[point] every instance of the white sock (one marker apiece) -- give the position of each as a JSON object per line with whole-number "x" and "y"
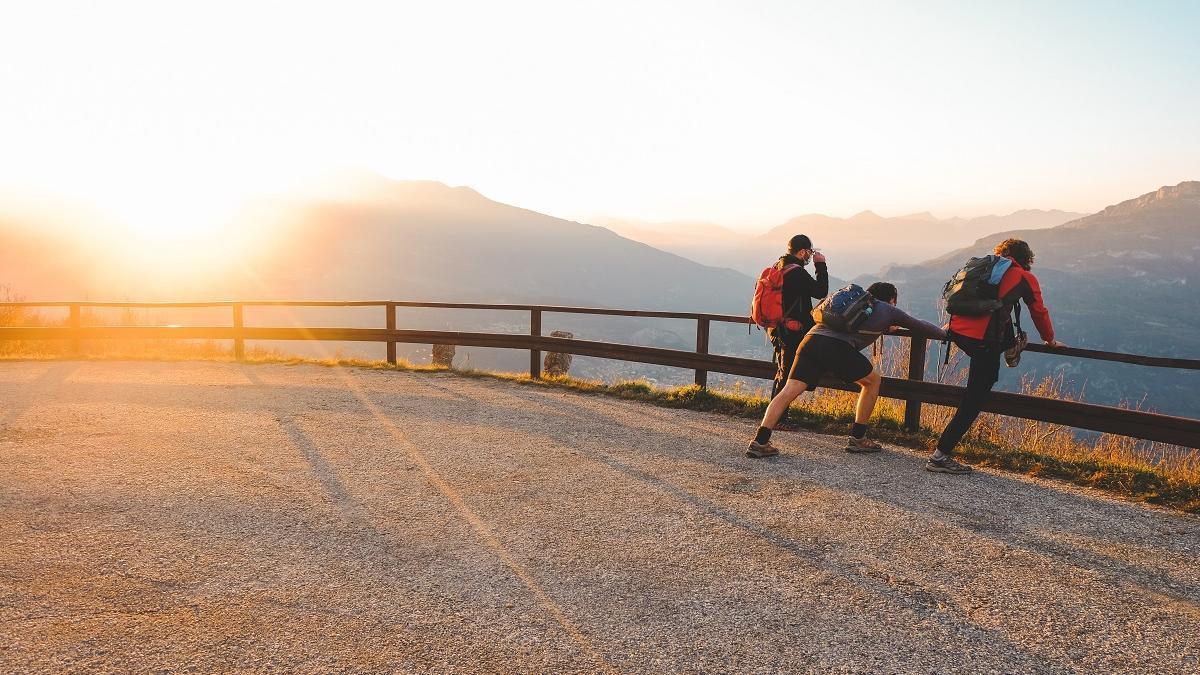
{"x": 938, "y": 455}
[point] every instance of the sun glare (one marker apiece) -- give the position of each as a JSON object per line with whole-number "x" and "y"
{"x": 166, "y": 213}
{"x": 170, "y": 221}
{"x": 177, "y": 230}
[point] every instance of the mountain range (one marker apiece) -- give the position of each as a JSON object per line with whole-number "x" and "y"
{"x": 860, "y": 244}
{"x": 376, "y": 238}
{"x": 418, "y": 239}
{"x": 1116, "y": 280}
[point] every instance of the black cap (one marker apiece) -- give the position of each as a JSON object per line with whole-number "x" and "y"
{"x": 798, "y": 242}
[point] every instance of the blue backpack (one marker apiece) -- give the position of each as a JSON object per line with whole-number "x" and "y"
{"x": 845, "y": 310}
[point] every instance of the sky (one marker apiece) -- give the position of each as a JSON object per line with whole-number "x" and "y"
{"x": 169, "y": 115}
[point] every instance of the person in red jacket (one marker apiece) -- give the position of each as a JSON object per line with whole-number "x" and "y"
{"x": 984, "y": 339}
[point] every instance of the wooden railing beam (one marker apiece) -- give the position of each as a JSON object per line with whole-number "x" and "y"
{"x": 1096, "y": 355}
{"x": 913, "y": 390}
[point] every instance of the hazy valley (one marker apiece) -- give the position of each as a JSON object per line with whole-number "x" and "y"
{"x": 1115, "y": 280}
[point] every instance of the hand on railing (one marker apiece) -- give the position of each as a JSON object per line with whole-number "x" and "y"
{"x": 1054, "y": 344}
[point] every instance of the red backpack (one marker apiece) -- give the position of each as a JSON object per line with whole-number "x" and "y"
{"x": 766, "y": 309}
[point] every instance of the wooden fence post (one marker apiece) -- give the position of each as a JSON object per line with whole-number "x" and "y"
{"x": 702, "y": 348}
{"x": 76, "y": 322}
{"x": 391, "y": 325}
{"x": 239, "y": 344}
{"x": 916, "y": 371}
{"x": 535, "y": 355}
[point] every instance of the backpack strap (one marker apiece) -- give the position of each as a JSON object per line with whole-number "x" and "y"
{"x": 1017, "y": 315}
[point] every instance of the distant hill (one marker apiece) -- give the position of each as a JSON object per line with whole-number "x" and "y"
{"x": 856, "y": 245}
{"x": 1122, "y": 279}
{"x": 367, "y": 237}
{"x": 1150, "y": 241}
{"x": 706, "y": 243}
{"x": 867, "y": 241}
{"x": 667, "y": 229}
{"x": 1154, "y": 238}
{"x": 415, "y": 239}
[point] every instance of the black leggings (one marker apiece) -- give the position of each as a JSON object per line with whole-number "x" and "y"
{"x": 985, "y": 371}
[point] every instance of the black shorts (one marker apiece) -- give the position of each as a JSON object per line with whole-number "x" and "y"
{"x": 819, "y": 355}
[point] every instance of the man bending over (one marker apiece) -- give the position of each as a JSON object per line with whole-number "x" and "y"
{"x": 825, "y": 350}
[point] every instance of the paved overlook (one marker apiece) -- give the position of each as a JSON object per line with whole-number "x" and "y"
{"x": 209, "y": 516}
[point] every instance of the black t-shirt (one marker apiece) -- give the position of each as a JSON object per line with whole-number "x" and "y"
{"x": 799, "y": 289}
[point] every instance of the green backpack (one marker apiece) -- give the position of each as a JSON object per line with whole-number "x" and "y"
{"x": 975, "y": 289}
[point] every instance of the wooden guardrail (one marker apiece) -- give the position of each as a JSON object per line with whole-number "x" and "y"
{"x": 912, "y": 389}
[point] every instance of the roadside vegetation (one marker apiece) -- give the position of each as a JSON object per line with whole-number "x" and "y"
{"x": 1155, "y": 473}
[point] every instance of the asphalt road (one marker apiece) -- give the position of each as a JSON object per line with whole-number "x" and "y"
{"x": 214, "y": 517}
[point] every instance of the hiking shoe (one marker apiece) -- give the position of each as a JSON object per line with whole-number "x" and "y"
{"x": 1012, "y": 355}
{"x": 757, "y": 449}
{"x": 1012, "y": 358}
{"x": 947, "y": 465}
{"x": 862, "y": 445}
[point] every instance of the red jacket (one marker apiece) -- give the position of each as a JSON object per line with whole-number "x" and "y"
{"x": 1017, "y": 284}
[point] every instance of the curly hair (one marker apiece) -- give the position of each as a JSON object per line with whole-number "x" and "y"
{"x": 1016, "y": 249}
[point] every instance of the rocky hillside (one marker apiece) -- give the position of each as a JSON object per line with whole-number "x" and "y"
{"x": 1122, "y": 279}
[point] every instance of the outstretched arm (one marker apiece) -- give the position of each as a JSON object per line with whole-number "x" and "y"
{"x": 918, "y": 327}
